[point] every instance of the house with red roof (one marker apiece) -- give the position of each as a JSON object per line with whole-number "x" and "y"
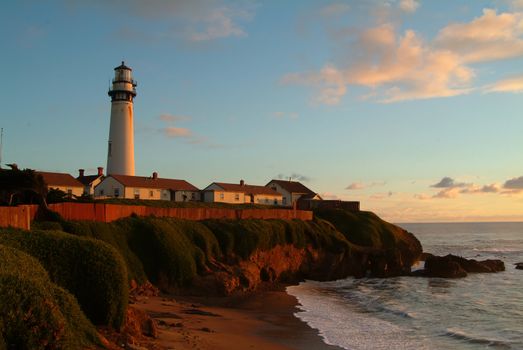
{"x": 90, "y": 181}
{"x": 145, "y": 187}
{"x": 63, "y": 182}
{"x": 292, "y": 191}
{"x": 241, "y": 193}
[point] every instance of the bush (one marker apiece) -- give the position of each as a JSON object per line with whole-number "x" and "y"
{"x": 117, "y": 234}
{"x": 91, "y": 270}
{"x": 34, "y": 312}
{"x": 167, "y": 255}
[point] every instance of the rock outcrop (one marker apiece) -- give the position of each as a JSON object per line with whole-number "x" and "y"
{"x": 519, "y": 266}
{"x": 452, "y": 266}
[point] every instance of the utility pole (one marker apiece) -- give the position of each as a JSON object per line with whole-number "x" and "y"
{"x": 1, "y": 145}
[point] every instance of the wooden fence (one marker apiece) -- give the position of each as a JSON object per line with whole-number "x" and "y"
{"x": 21, "y": 216}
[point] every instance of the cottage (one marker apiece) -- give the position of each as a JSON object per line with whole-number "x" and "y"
{"x": 90, "y": 181}
{"x": 292, "y": 191}
{"x": 240, "y": 194}
{"x": 63, "y": 182}
{"x": 143, "y": 187}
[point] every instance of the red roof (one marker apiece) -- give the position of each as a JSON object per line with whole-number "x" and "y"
{"x": 292, "y": 186}
{"x": 149, "y": 182}
{"x": 59, "y": 179}
{"x": 248, "y": 189}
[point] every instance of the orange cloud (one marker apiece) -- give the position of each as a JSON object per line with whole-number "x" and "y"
{"x": 486, "y": 38}
{"x": 172, "y": 131}
{"x": 404, "y": 66}
{"x": 514, "y": 84}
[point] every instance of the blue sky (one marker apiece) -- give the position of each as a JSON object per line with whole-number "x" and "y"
{"x": 413, "y": 107}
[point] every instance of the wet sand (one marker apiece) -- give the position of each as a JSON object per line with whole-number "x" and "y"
{"x": 264, "y": 320}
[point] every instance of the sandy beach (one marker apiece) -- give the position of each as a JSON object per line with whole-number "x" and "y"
{"x": 263, "y": 320}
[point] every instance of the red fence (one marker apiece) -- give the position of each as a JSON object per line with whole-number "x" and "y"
{"x": 17, "y": 217}
{"x": 110, "y": 212}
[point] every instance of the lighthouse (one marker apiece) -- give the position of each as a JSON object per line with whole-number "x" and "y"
{"x": 120, "y": 153}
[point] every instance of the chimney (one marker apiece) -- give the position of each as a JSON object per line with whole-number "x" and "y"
{"x": 100, "y": 171}
{"x": 242, "y": 182}
{"x": 155, "y": 175}
{"x": 81, "y": 172}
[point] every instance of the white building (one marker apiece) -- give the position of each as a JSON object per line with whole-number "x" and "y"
{"x": 90, "y": 181}
{"x": 292, "y": 191}
{"x": 63, "y": 182}
{"x": 142, "y": 187}
{"x": 241, "y": 193}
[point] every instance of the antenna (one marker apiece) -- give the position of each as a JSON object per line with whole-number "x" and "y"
{"x": 1, "y": 145}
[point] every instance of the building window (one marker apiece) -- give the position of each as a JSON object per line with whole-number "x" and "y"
{"x": 101, "y": 192}
{"x": 151, "y": 194}
{"x": 237, "y": 197}
{"x": 221, "y": 195}
{"x": 284, "y": 201}
{"x": 137, "y": 196}
{"x": 275, "y": 201}
{"x": 193, "y": 196}
{"x": 117, "y": 192}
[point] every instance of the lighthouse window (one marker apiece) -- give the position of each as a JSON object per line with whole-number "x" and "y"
{"x": 110, "y": 149}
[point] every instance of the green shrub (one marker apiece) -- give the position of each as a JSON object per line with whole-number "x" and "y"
{"x": 166, "y": 254}
{"x": 34, "y": 312}
{"x": 117, "y": 234}
{"x": 91, "y": 270}
{"x": 46, "y": 225}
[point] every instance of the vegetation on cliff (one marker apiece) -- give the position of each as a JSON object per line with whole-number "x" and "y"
{"x": 35, "y": 313}
{"x": 91, "y": 270}
{"x": 95, "y": 262}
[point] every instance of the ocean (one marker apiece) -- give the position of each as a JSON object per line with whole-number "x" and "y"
{"x": 480, "y": 311}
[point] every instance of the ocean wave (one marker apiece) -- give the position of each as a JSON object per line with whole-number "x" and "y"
{"x": 497, "y": 250}
{"x": 471, "y": 339}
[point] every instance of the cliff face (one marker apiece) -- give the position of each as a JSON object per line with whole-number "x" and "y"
{"x": 390, "y": 252}
{"x": 225, "y": 256}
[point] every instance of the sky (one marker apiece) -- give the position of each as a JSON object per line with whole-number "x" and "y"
{"x": 413, "y": 107}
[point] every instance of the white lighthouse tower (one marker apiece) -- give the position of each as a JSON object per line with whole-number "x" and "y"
{"x": 120, "y": 154}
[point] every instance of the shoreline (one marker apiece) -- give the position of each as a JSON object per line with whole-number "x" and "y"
{"x": 262, "y": 320}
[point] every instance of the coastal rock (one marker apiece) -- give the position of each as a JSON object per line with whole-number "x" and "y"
{"x": 519, "y": 266}
{"x": 452, "y": 266}
{"x": 138, "y": 323}
{"x": 444, "y": 267}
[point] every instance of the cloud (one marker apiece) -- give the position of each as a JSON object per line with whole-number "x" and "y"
{"x": 448, "y": 182}
{"x": 189, "y": 20}
{"x": 399, "y": 66}
{"x": 285, "y": 115}
{"x": 173, "y": 132}
{"x": 334, "y": 9}
{"x": 293, "y": 177}
{"x": 355, "y": 186}
{"x": 382, "y": 195}
{"x": 517, "y": 4}
{"x": 360, "y": 186}
{"x": 492, "y": 188}
{"x": 514, "y": 184}
{"x": 450, "y": 192}
{"x": 395, "y": 68}
{"x": 219, "y": 23}
{"x": 170, "y": 118}
{"x": 487, "y": 38}
{"x": 329, "y": 196}
{"x": 514, "y": 85}
{"x": 452, "y": 189}
{"x": 409, "y": 5}
{"x": 422, "y": 196}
